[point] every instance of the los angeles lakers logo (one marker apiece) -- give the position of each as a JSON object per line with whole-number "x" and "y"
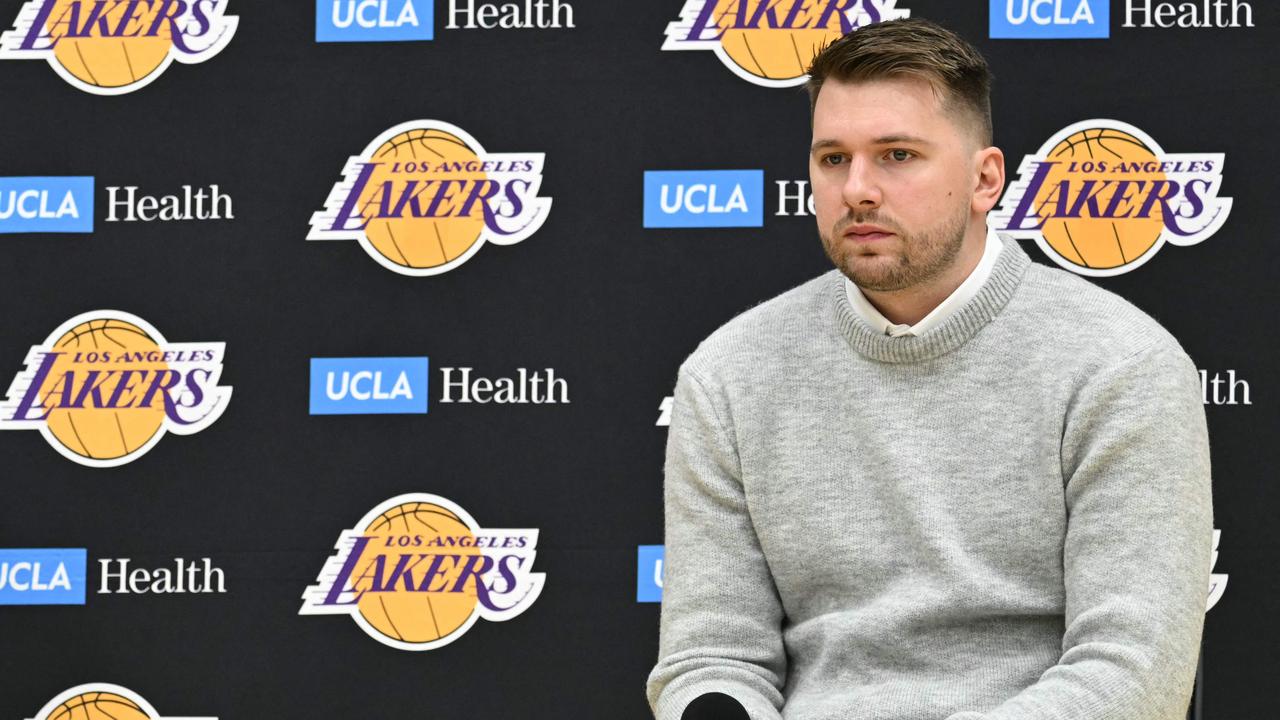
{"x": 1101, "y": 198}
{"x": 417, "y": 572}
{"x": 772, "y": 42}
{"x": 424, "y": 197}
{"x": 105, "y": 387}
{"x": 113, "y": 47}
{"x": 1217, "y": 581}
{"x": 101, "y": 701}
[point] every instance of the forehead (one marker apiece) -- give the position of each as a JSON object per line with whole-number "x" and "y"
{"x": 874, "y": 108}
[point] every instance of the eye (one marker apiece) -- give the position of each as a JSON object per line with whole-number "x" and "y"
{"x": 901, "y": 155}
{"x": 832, "y": 159}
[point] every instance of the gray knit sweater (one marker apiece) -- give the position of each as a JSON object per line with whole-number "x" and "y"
{"x": 1005, "y": 518}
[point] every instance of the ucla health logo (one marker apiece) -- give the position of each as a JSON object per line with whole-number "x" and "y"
{"x": 58, "y": 577}
{"x": 772, "y": 42}
{"x": 102, "y": 701}
{"x": 46, "y": 204}
{"x": 417, "y": 572}
{"x": 649, "y": 562}
{"x": 105, "y": 386}
{"x": 43, "y": 576}
{"x": 66, "y": 205}
{"x": 424, "y": 197}
{"x": 360, "y": 386}
{"x": 113, "y": 47}
{"x": 374, "y": 20}
{"x": 1101, "y": 198}
{"x": 1050, "y": 19}
{"x": 703, "y": 198}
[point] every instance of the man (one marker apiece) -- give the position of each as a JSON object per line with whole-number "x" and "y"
{"x": 939, "y": 482}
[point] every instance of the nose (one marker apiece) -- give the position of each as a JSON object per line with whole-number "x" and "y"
{"x": 861, "y": 190}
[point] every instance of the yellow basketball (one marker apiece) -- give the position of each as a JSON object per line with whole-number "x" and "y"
{"x": 99, "y": 706}
{"x": 1100, "y": 243}
{"x": 422, "y": 242}
{"x": 109, "y": 62}
{"x": 102, "y": 433}
{"x": 775, "y": 54}
{"x": 417, "y": 617}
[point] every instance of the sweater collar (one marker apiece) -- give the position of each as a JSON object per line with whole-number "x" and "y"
{"x": 953, "y": 332}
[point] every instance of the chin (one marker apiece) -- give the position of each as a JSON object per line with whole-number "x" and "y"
{"x": 872, "y": 272}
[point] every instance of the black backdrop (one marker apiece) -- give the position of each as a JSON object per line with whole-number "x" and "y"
{"x": 612, "y": 307}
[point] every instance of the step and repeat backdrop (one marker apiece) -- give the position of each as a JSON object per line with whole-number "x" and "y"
{"x": 338, "y": 338}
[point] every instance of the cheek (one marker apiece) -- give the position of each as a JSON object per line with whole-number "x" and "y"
{"x": 828, "y": 204}
{"x": 930, "y": 195}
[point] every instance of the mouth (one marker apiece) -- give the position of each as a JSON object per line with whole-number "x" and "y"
{"x": 866, "y": 233}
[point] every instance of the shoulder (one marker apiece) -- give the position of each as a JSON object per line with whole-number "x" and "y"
{"x": 1082, "y": 320}
{"x": 769, "y": 334}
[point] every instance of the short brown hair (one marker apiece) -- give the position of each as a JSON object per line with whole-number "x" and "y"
{"x": 911, "y": 47}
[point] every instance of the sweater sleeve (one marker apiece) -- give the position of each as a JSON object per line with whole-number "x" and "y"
{"x": 715, "y": 706}
{"x": 1135, "y": 455}
{"x": 721, "y": 616}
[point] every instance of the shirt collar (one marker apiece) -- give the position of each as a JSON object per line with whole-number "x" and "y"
{"x": 873, "y": 317}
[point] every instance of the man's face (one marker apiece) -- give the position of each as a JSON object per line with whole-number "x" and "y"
{"x": 893, "y": 181}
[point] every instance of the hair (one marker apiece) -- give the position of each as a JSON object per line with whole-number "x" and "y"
{"x": 912, "y": 48}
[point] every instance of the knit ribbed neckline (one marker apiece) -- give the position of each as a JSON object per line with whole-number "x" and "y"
{"x": 953, "y": 332}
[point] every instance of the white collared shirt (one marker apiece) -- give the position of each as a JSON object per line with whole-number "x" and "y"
{"x": 962, "y": 294}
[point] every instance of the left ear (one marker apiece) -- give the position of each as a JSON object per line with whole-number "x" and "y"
{"x": 989, "y": 180}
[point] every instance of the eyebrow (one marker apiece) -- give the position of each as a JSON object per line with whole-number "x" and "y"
{"x": 882, "y": 140}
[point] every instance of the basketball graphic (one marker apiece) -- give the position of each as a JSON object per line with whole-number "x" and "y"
{"x": 421, "y": 242}
{"x": 1099, "y": 242}
{"x": 105, "y": 387}
{"x": 1101, "y": 198}
{"x": 101, "y": 701}
{"x": 87, "y": 431}
{"x": 767, "y": 43}
{"x": 424, "y": 197}
{"x": 417, "y": 572}
{"x": 113, "y": 47}
{"x": 107, "y": 62}
{"x": 777, "y": 54}
{"x": 423, "y": 616}
{"x": 99, "y": 706}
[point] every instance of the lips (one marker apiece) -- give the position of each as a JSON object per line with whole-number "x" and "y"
{"x": 866, "y": 233}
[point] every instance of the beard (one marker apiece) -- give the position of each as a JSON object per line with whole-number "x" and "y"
{"x": 918, "y": 257}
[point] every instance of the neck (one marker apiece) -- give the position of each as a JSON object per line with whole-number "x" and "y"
{"x": 910, "y": 305}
